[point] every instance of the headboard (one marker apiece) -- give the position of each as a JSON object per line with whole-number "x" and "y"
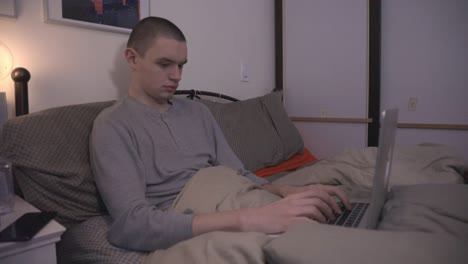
{"x": 195, "y": 94}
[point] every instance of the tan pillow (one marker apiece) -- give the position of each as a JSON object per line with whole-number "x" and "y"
{"x": 49, "y": 151}
{"x": 258, "y": 130}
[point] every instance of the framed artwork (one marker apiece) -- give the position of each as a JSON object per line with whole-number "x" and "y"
{"x": 8, "y": 8}
{"x": 109, "y": 15}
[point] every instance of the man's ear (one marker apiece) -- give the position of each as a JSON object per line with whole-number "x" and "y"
{"x": 131, "y": 57}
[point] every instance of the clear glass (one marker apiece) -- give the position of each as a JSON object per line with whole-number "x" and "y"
{"x": 7, "y": 193}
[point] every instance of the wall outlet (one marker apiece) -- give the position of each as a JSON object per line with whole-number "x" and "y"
{"x": 323, "y": 113}
{"x": 412, "y": 103}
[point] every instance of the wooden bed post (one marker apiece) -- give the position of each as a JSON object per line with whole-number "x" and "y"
{"x": 278, "y": 45}
{"x": 21, "y": 76}
{"x": 374, "y": 73}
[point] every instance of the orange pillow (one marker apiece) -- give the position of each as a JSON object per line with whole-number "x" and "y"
{"x": 292, "y": 163}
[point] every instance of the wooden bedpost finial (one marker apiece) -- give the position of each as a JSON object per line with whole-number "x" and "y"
{"x": 21, "y": 76}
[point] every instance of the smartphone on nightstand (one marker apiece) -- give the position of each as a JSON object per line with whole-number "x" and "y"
{"x": 26, "y": 227}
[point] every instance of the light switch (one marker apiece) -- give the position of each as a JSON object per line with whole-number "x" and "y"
{"x": 244, "y": 72}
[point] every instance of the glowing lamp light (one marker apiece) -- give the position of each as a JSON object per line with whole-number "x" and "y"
{"x": 6, "y": 61}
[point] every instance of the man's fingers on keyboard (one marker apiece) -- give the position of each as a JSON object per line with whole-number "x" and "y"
{"x": 336, "y": 191}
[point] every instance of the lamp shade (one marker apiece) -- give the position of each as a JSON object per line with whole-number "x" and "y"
{"x": 6, "y": 61}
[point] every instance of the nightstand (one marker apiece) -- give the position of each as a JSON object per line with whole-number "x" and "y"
{"x": 40, "y": 249}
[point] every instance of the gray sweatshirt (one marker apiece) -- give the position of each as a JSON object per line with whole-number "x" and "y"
{"x": 142, "y": 159}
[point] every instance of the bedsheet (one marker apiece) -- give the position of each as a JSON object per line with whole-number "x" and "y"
{"x": 409, "y": 237}
{"x": 412, "y": 164}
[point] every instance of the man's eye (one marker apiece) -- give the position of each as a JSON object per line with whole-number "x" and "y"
{"x": 164, "y": 65}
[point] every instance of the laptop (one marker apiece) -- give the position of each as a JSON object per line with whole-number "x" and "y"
{"x": 366, "y": 214}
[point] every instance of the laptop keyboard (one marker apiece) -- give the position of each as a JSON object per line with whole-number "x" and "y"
{"x": 351, "y": 218}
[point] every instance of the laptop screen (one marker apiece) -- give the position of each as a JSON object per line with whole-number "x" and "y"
{"x": 383, "y": 165}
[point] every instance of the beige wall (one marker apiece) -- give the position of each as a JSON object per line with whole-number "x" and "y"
{"x": 423, "y": 55}
{"x": 325, "y": 71}
{"x": 75, "y": 65}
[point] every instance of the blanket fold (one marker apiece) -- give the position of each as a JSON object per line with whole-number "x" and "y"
{"x": 424, "y": 221}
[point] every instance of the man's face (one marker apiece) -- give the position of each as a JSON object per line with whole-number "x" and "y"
{"x": 156, "y": 75}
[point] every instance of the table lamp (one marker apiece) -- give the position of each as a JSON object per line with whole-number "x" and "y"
{"x": 6, "y": 64}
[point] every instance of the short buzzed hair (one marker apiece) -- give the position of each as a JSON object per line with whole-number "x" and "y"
{"x": 150, "y": 28}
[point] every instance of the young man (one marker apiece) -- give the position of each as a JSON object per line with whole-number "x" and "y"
{"x": 146, "y": 147}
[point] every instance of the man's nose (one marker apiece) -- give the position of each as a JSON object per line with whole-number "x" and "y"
{"x": 176, "y": 73}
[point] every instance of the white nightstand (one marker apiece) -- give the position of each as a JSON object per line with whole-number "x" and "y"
{"x": 40, "y": 249}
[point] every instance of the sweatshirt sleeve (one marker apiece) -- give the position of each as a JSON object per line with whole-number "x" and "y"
{"x": 120, "y": 178}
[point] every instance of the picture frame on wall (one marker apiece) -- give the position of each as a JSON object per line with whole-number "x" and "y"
{"x": 8, "y": 9}
{"x": 117, "y": 15}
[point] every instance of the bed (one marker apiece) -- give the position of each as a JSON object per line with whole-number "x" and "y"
{"x": 425, "y": 220}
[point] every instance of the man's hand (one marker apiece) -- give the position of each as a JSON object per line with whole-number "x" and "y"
{"x": 324, "y": 192}
{"x": 313, "y": 203}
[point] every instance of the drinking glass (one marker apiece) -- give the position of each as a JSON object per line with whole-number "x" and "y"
{"x": 7, "y": 195}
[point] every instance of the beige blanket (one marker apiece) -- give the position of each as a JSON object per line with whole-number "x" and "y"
{"x": 354, "y": 169}
{"x": 218, "y": 189}
{"x": 442, "y": 239}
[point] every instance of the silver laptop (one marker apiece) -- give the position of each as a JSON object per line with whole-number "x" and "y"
{"x": 366, "y": 214}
